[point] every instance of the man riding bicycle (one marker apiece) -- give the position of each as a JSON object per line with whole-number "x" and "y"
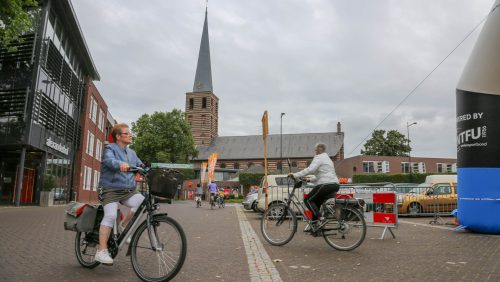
{"x": 325, "y": 179}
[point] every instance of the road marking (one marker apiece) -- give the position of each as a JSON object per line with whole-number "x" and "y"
{"x": 426, "y": 225}
{"x": 259, "y": 263}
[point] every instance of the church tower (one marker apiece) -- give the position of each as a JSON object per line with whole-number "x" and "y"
{"x": 202, "y": 105}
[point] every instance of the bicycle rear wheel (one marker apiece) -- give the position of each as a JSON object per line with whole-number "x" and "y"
{"x": 278, "y": 224}
{"x": 165, "y": 262}
{"x": 86, "y": 245}
{"x": 346, "y": 233}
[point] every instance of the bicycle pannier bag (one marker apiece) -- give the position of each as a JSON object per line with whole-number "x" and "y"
{"x": 164, "y": 182}
{"x": 80, "y": 217}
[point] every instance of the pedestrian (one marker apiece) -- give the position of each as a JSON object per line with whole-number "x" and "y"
{"x": 116, "y": 184}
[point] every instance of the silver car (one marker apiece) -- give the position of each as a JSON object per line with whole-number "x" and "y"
{"x": 250, "y": 202}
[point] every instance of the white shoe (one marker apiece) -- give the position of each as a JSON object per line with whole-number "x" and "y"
{"x": 104, "y": 257}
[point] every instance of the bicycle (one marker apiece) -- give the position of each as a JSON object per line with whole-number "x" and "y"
{"x": 198, "y": 200}
{"x": 212, "y": 200}
{"x": 220, "y": 201}
{"x": 344, "y": 226}
{"x": 158, "y": 244}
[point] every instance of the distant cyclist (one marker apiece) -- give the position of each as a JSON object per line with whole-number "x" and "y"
{"x": 199, "y": 193}
{"x": 325, "y": 179}
{"x": 212, "y": 189}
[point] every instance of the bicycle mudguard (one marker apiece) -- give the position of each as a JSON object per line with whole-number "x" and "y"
{"x": 154, "y": 216}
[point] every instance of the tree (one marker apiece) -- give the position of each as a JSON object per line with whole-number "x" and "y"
{"x": 163, "y": 137}
{"x": 393, "y": 144}
{"x": 16, "y": 18}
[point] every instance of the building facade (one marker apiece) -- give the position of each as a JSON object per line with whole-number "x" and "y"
{"x": 95, "y": 128}
{"x": 42, "y": 87}
{"x": 393, "y": 165}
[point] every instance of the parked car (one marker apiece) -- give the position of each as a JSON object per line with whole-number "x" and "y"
{"x": 432, "y": 198}
{"x": 59, "y": 194}
{"x": 279, "y": 187}
{"x": 250, "y": 202}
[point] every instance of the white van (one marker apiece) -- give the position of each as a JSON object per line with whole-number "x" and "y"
{"x": 441, "y": 178}
{"x": 278, "y": 191}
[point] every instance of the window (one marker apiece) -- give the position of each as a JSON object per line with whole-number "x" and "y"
{"x": 294, "y": 164}
{"x": 191, "y": 103}
{"x": 222, "y": 165}
{"x": 90, "y": 143}
{"x": 87, "y": 177}
{"x": 98, "y": 149}
{"x": 97, "y": 175}
{"x": 405, "y": 168}
{"x": 446, "y": 167}
{"x": 376, "y": 167}
{"x": 441, "y": 189}
{"x": 93, "y": 110}
{"x": 204, "y": 102}
{"x": 236, "y": 166}
{"x": 279, "y": 165}
{"x": 418, "y": 167}
{"x": 100, "y": 121}
{"x": 249, "y": 164}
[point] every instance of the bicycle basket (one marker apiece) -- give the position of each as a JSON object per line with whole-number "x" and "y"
{"x": 164, "y": 182}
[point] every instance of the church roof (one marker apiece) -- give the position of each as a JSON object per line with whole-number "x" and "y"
{"x": 203, "y": 78}
{"x": 252, "y": 147}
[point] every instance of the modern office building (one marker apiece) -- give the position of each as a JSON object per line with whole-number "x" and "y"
{"x": 42, "y": 90}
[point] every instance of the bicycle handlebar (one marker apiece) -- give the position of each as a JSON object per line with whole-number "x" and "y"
{"x": 143, "y": 171}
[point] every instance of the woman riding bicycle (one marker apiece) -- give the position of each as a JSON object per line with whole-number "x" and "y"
{"x": 116, "y": 185}
{"x": 325, "y": 179}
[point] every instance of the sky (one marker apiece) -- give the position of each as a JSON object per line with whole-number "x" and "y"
{"x": 318, "y": 61}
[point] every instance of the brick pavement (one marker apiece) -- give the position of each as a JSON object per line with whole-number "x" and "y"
{"x": 34, "y": 247}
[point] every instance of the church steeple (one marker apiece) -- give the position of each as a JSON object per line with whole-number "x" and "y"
{"x": 202, "y": 105}
{"x": 203, "y": 78}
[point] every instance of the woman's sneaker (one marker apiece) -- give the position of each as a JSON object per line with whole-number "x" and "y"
{"x": 104, "y": 257}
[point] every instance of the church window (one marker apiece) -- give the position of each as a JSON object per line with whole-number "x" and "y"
{"x": 204, "y": 102}
{"x": 191, "y": 103}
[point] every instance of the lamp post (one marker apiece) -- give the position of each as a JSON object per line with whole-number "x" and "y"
{"x": 409, "y": 152}
{"x": 281, "y": 142}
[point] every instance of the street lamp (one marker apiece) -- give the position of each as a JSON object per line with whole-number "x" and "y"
{"x": 281, "y": 142}
{"x": 409, "y": 152}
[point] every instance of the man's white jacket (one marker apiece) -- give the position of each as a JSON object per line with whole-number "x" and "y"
{"x": 322, "y": 168}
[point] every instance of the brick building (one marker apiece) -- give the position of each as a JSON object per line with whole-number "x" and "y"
{"x": 94, "y": 122}
{"x": 392, "y": 165}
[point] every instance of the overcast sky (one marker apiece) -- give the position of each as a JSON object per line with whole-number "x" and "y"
{"x": 319, "y": 61}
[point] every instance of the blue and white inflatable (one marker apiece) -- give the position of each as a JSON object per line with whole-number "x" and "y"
{"x": 478, "y": 132}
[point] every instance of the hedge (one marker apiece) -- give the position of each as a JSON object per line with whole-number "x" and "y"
{"x": 393, "y": 178}
{"x": 250, "y": 179}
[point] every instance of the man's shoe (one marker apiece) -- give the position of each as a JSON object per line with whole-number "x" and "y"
{"x": 103, "y": 257}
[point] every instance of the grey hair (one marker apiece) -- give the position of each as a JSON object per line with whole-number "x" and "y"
{"x": 321, "y": 147}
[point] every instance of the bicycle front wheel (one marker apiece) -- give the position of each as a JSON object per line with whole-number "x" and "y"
{"x": 278, "y": 224}
{"x": 165, "y": 262}
{"x": 345, "y": 231}
{"x": 86, "y": 245}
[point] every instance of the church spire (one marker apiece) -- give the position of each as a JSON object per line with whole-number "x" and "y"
{"x": 203, "y": 78}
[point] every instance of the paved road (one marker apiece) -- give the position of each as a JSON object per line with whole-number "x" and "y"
{"x": 34, "y": 247}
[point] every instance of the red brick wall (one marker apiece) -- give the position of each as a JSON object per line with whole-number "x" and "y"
{"x": 83, "y": 159}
